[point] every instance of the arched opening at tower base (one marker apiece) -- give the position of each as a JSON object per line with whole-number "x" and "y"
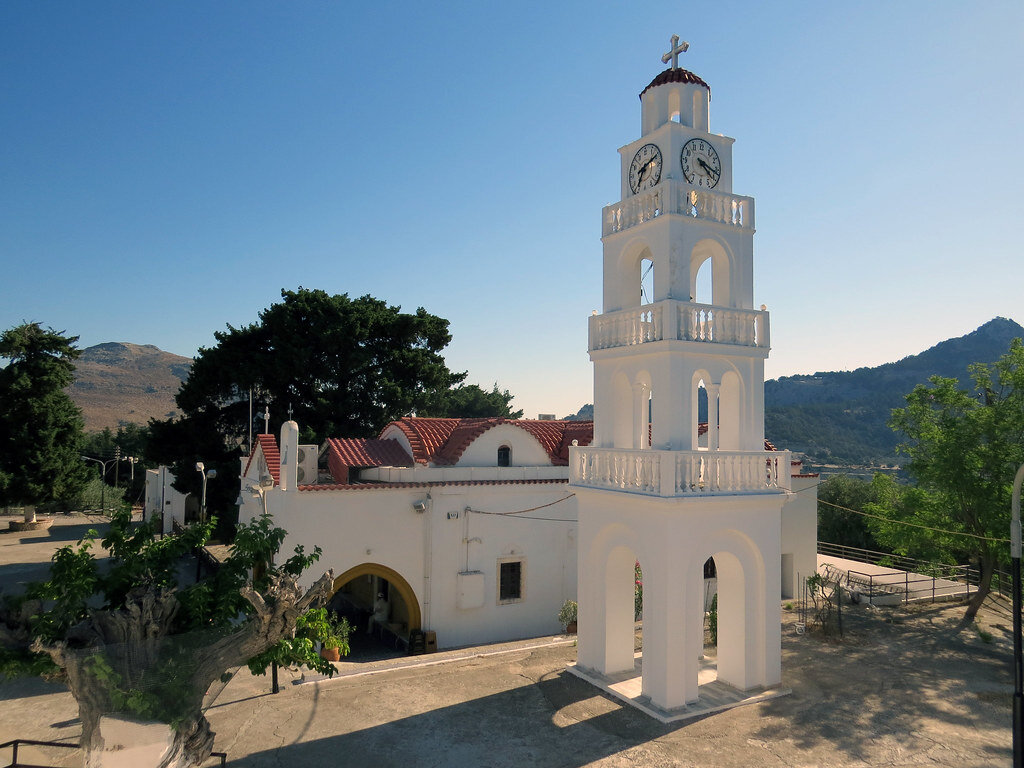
{"x": 380, "y": 606}
{"x": 678, "y": 666}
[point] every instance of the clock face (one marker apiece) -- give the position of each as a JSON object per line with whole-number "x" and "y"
{"x": 645, "y": 170}
{"x": 701, "y": 164}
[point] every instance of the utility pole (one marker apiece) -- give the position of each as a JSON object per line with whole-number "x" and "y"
{"x": 1018, "y": 662}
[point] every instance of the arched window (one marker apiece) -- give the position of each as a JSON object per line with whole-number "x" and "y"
{"x": 504, "y": 456}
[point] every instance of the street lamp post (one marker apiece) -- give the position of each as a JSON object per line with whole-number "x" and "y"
{"x": 207, "y": 474}
{"x": 1018, "y": 662}
{"x": 103, "y": 481}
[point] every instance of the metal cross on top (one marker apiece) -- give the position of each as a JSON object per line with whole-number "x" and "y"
{"x": 677, "y": 48}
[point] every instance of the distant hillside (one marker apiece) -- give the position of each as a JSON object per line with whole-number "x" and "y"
{"x": 119, "y": 383}
{"x": 586, "y": 413}
{"x": 840, "y": 417}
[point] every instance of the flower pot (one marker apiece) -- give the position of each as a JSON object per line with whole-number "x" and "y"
{"x": 570, "y": 628}
{"x": 330, "y": 654}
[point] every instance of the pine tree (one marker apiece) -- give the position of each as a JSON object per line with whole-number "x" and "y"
{"x": 40, "y": 427}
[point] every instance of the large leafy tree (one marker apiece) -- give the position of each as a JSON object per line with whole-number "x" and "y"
{"x": 471, "y": 401}
{"x": 40, "y": 427}
{"x": 964, "y": 448}
{"x": 340, "y": 366}
{"x": 836, "y": 523}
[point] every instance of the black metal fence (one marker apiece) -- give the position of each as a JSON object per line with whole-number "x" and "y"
{"x": 15, "y": 744}
{"x": 909, "y": 579}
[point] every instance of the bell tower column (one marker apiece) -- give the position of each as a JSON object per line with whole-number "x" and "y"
{"x": 650, "y": 490}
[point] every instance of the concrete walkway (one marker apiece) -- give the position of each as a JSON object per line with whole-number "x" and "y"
{"x": 906, "y": 686}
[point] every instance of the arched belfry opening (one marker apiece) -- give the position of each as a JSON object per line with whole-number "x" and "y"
{"x": 677, "y": 470}
{"x": 711, "y": 274}
{"x": 646, "y": 281}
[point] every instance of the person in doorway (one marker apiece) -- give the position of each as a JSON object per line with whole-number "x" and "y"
{"x": 380, "y": 613}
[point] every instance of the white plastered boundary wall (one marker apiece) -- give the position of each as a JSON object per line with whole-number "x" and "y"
{"x": 161, "y": 498}
{"x": 799, "y": 534}
{"x": 429, "y": 549}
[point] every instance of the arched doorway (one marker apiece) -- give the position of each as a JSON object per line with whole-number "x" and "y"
{"x": 355, "y": 593}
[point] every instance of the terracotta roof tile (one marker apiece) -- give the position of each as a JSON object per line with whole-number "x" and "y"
{"x": 426, "y": 436}
{"x": 675, "y": 76}
{"x": 268, "y": 445}
{"x": 358, "y": 452}
{"x": 443, "y": 441}
{"x": 346, "y": 453}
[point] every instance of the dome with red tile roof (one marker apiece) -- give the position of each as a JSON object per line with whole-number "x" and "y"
{"x": 676, "y": 76}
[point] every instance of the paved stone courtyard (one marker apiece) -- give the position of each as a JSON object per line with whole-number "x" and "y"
{"x": 903, "y": 688}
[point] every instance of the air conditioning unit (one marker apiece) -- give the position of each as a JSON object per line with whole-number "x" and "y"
{"x": 308, "y": 458}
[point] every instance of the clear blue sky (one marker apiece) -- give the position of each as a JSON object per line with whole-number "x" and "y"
{"x": 167, "y": 168}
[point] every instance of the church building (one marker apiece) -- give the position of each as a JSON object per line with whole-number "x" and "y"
{"x": 478, "y": 530}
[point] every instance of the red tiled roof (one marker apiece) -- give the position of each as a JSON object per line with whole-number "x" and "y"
{"x": 443, "y": 441}
{"x": 358, "y": 452}
{"x": 345, "y": 453}
{"x": 271, "y": 455}
{"x": 425, "y": 436}
{"x": 676, "y": 76}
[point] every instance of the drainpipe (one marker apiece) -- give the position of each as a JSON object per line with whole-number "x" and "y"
{"x": 428, "y": 558}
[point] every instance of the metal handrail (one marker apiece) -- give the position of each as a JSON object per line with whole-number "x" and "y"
{"x": 15, "y": 743}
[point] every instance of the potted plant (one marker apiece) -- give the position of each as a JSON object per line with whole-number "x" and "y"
{"x": 323, "y": 626}
{"x": 567, "y": 616}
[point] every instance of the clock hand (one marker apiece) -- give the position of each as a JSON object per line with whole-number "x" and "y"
{"x": 706, "y": 167}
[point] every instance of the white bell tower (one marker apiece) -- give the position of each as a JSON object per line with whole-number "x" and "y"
{"x": 678, "y": 471}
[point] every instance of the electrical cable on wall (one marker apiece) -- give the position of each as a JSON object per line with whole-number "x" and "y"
{"x": 521, "y": 514}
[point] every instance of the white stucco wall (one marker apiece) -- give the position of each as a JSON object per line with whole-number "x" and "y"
{"x": 429, "y": 549}
{"x": 799, "y": 534}
{"x": 160, "y": 496}
{"x": 526, "y": 451}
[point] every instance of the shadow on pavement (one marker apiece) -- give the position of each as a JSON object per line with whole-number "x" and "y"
{"x": 923, "y": 691}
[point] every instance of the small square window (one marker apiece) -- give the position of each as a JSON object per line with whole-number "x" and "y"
{"x": 510, "y": 581}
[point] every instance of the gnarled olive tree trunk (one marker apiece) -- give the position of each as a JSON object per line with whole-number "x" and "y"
{"x": 125, "y": 663}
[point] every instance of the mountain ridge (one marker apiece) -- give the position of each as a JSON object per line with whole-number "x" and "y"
{"x": 842, "y": 416}
{"x": 118, "y": 383}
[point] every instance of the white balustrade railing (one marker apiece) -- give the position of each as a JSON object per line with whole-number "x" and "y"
{"x": 685, "y": 321}
{"x": 724, "y": 325}
{"x": 677, "y": 197}
{"x": 629, "y": 326}
{"x": 636, "y": 471}
{"x": 680, "y": 473}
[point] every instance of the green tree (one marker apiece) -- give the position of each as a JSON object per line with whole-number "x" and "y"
{"x": 40, "y": 427}
{"x": 134, "y": 641}
{"x": 471, "y": 401}
{"x": 343, "y": 366}
{"x": 836, "y": 525}
{"x": 964, "y": 448}
{"x": 129, "y": 441}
